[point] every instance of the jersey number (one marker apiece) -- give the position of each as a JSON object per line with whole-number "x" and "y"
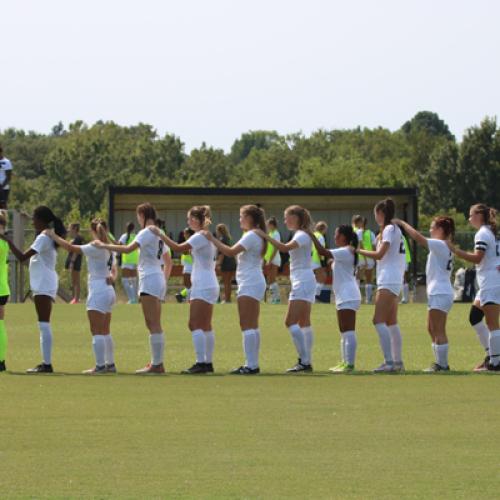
{"x": 448, "y": 266}
{"x": 160, "y": 249}
{"x": 402, "y": 247}
{"x": 498, "y": 249}
{"x": 110, "y": 262}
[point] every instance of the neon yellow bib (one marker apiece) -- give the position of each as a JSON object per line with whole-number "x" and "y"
{"x": 186, "y": 258}
{"x": 367, "y": 240}
{"x": 407, "y": 250}
{"x": 315, "y": 255}
{"x": 270, "y": 247}
{"x": 4, "y": 269}
{"x": 132, "y": 257}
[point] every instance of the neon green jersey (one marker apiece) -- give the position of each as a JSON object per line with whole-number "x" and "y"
{"x": 4, "y": 269}
{"x": 275, "y": 235}
{"x": 367, "y": 240}
{"x": 132, "y": 257}
{"x": 407, "y": 250}
{"x": 316, "y": 258}
{"x": 186, "y": 258}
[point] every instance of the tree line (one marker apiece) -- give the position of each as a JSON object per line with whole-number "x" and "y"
{"x": 71, "y": 168}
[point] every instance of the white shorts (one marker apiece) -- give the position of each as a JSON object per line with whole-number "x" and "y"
{"x": 490, "y": 295}
{"x": 441, "y": 302}
{"x": 132, "y": 267}
{"x": 101, "y": 299}
{"x": 209, "y": 295}
{"x": 303, "y": 290}
{"x": 256, "y": 292}
{"x": 353, "y": 305}
{"x": 395, "y": 289}
{"x": 153, "y": 284}
{"x": 187, "y": 269}
{"x": 316, "y": 265}
{"x": 365, "y": 263}
{"x": 49, "y": 293}
{"x": 276, "y": 260}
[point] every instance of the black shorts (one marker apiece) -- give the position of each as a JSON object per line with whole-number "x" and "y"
{"x": 4, "y": 197}
{"x": 4, "y": 299}
{"x": 77, "y": 265}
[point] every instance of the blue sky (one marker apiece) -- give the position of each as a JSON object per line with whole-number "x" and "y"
{"x": 210, "y": 70}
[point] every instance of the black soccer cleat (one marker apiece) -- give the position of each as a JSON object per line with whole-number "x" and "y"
{"x": 300, "y": 367}
{"x": 179, "y": 298}
{"x": 493, "y": 368}
{"x": 245, "y": 370}
{"x": 41, "y": 368}
{"x": 197, "y": 368}
{"x": 434, "y": 368}
{"x": 2, "y": 366}
{"x": 209, "y": 367}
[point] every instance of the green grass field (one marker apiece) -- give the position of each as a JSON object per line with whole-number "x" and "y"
{"x": 222, "y": 436}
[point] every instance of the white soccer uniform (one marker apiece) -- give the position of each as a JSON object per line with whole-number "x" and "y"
{"x": 488, "y": 274}
{"x": 277, "y": 258}
{"x": 302, "y": 276}
{"x": 5, "y": 165}
{"x": 42, "y": 268}
{"x": 438, "y": 275}
{"x": 345, "y": 286}
{"x": 249, "y": 275}
{"x": 101, "y": 296}
{"x": 317, "y": 265}
{"x": 151, "y": 277}
{"x": 391, "y": 268}
{"x": 204, "y": 284}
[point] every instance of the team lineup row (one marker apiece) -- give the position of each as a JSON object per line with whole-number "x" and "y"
{"x": 154, "y": 267}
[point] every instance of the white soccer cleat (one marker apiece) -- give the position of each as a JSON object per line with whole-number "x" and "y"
{"x": 385, "y": 368}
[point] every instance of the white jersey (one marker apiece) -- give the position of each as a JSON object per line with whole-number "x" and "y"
{"x": 438, "y": 268}
{"x": 5, "y": 165}
{"x": 344, "y": 280}
{"x": 249, "y": 269}
{"x": 99, "y": 262}
{"x": 300, "y": 257}
{"x": 151, "y": 252}
{"x": 43, "y": 276}
{"x": 488, "y": 274}
{"x": 391, "y": 268}
{"x": 204, "y": 253}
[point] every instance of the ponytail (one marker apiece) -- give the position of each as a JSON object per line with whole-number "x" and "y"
{"x": 46, "y": 215}
{"x": 203, "y": 213}
{"x": 489, "y": 216}
{"x": 351, "y": 238}
{"x": 388, "y": 208}
{"x": 258, "y": 217}
{"x": 100, "y": 228}
{"x": 447, "y": 225}
{"x": 130, "y": 227}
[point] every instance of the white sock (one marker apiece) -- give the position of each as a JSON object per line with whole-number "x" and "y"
{"x": 342, "y": 347}
{"x": 442, "y": 355}
{"x": 99, "y": 348}
{"x": 483, "y": 334}
{"x": 109, "y": 356}
{"x": 249, "y": 347}
{"x": 434, "y": 352}
{"x": 319, "y": 288}
{"x": 45, "y": 341}
{"x": 157, "y": 344}
{"x": 369, "y": 292}
{"x": 199, "y": 344}
{"x": 209, "y": 346}
{"x": 257, "y": 342}
{"x": 298, "y": 340}
{"x": 495, "y": 347}
{"x": 128, "y": 287}
{"x": 350, "y": 346}
{"x": 396, "y": 343}
{"x": 275, "y": 290}
{"x": 406, "y": 292}
{"x": 384, "y": 337}
{"x": 188, "y": 294}
{"x": 308, "y": 341}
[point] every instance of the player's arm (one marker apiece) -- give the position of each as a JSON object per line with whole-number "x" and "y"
{"x": 324, "y": 252}
{"x": 282, "y": 247}
{"x": 224, "y": 249}
{"x": 176, "y": 247}
{"x": 20, "y": 255}
{"x": 475, "y": 257}
{"x": 73, "y": 249}
{"x": 412, "y": 232}
{"x": 116, "y": 248}
{"x": 375, "y": 254}
{"x": 167, "y": 265}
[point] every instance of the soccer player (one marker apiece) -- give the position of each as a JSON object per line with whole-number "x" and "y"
{"x": 406, "y": 277}
{"x": 225, "y": 265}
{"x": 5, "y": 178}
{"x": 439, "y": 289}
{"x": 74, "y": 261}
{"x": 368, "y": 241}
{"x": 486, "y": 305}
{"x": 303, "y": 284}
{"x": 129, "y": 263}
{"x": 390, "y": 253}
{"x": 205, "y": 287}
{"x": 318, "y": 261}
{"x": 4, "y": 289}
{"x": 347, "y": 294}
{"x": 187, "y": 269}
{"x": 44, "y": 281}
{"x": 272, "y": 260}
{"x": 249, "y": 251}
{"x": 101, "y": 297}
{"x": 152, "y": 281}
